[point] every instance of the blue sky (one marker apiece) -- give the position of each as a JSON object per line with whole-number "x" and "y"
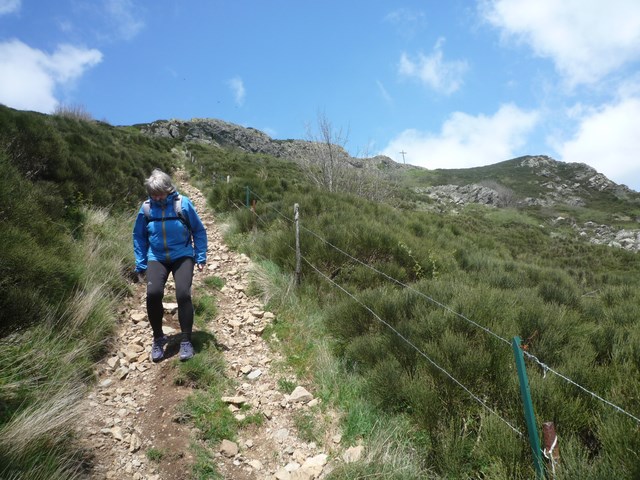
{"x": 454, "y": 84}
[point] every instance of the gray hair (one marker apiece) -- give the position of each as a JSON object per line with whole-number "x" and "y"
{"x": 159, "y": 183}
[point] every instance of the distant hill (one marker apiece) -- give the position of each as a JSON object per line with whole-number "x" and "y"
{"x": 569, "y": 194}
{"x": 530, "y": 180}
{"x": 527, "y": 181}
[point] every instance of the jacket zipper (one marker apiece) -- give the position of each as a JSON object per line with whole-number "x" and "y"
{"x": 164, "y": 235}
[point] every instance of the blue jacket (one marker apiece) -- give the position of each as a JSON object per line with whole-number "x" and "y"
{"x": 168, "y": 240}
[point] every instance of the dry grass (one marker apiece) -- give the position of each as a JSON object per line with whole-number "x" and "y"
{"x": 46, "y": 369}
{"x": 44, "y": 422}
{"x": 267, "y": 283}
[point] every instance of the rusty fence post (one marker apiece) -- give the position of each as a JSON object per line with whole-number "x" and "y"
{"x": 550, "y": 440}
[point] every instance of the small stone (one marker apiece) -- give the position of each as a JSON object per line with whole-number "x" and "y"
{"x": 353, "y": 454}
{"x": 256, "y": 464}
{"x": 228, "y": 448}
{"x": 292, "y": 467}
{"x": 311, "y": 468}
{"x": 170, "y": 308}
{"x": 255, "y": 374}
{"x": 131, "y": 355}
{"x": 337, "y": 438}
{"x": 135, "y": 347}
{"x": 134, "y": 443}
{"x": 117, "y": 433}
{"x": 282, "y": 474}
{"x": 300, "y": 395}
{"x": 106, "y": 383}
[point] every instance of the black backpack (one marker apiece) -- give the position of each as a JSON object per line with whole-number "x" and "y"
{"x": 177, "y": 207}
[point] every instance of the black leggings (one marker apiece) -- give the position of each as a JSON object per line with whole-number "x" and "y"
{"x": 157, "y": 274}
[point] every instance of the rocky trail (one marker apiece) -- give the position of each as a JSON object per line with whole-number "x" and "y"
{"x": 135, "y": 405}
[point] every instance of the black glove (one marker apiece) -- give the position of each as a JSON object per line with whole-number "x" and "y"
{"x": 141, "y": 277}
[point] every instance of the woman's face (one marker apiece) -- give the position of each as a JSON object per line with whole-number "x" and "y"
{"x": 158, "y": 197}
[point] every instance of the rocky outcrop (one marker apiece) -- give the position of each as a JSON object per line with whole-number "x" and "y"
{"x": 463, "y": 194}
{"x": 599, "y": 234}
{"x": 228, "y": 135}
{"x": 568, "y": 183}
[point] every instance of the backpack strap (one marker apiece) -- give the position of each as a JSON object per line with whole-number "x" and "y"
{"x": 146, "y": 209}
{"x": 177, "y": 207}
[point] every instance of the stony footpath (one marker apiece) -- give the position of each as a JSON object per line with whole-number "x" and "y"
{"x": 135, "y": 406}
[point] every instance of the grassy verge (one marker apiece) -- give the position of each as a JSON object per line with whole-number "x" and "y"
{"x": 300, "y": 333}
{"x": 46, "y": 368}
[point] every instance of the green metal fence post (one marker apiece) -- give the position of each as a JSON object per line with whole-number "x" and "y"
{"x": 529, "y": 416}
{"x": 247, "y": 196}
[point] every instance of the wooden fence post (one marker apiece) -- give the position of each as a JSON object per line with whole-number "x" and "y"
{"x": 296, "y": 216}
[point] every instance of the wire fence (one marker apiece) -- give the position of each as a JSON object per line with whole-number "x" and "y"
{"x": 546, "y": 368}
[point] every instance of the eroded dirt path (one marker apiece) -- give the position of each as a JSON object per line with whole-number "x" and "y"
{"x": 135, "y": 407}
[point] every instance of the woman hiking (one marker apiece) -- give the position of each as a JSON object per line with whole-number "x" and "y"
{"x": 168, "y": 237}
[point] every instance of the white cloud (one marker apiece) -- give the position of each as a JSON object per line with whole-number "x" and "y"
{"x": 121, "y": 13}
{"x": 406, "y": 21}
{"x": 586, "y": 40}
{"x": 466, "y": 141}
{"x": 9, "y": 6}
{"x": 609, "y": 141}
{"x": 384, "y": 93}
{"x": 433, "y": 71}
{"x": 237, "y": 87}
{"x": 31, "y": 75}
{"x": 405, "y": 16}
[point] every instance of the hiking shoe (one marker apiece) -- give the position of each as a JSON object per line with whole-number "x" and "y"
{"x": 186, "y": 351}
{"x": 157, "y": 349}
